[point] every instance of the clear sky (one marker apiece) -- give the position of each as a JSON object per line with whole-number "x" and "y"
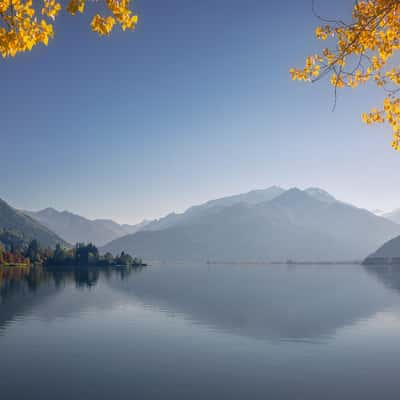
{"x": 196, "y": 104}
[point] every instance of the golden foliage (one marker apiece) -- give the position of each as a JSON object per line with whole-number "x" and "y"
{"x": 362, "y": 51}
{"x": 22, "y": 26}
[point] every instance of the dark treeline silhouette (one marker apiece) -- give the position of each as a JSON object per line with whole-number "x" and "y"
{"x": 88, "y": 255}
{"x": 79, "y": 255}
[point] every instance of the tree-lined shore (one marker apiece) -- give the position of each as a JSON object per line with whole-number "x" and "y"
{"x": 80, "y": 255}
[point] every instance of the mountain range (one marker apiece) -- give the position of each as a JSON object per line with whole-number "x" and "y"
{"x": 272, "y": 224}
{"x": 250, "y": 198}
{"x": 17, "y": 224}
{"x": 74, "y": 228}
{"x": 268, "y": 225}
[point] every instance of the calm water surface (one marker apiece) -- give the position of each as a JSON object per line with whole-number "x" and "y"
{"x": 201, "y": 332}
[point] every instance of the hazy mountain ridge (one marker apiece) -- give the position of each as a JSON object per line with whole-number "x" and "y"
{"x": 75, "y": 228}
{"x": 272, "y": 224}
{"x": 389, "y": 250}
{"x": 15, "y": 221}
{"x": 393, "y": 216}
{"x": 295, "y": 224}
{"x": 320, "y": 195}
{"x": 212, "y": 206}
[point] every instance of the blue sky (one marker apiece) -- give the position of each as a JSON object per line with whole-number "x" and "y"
{"x": 196, "y": 104}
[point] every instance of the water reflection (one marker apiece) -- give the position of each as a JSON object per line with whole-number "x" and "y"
{"x": 306, "y": 332}
{"x": 22, "y": 289}
{"x": 16, "y": 280}
{"x": 389, "y": 275}
{"x": 306, "y": 303}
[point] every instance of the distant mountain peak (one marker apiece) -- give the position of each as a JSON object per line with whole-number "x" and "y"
{"x": 294, "y": 190}
{"x": 16, "y": 221}
{"x": 213, "y": 206}
{"x": 307, "y": 225}
{"x": 273, "y": 188}
{"x": 320, "y": 194}
{"x": 292, "y": 195}
{"x": 75, "y": 228}
{"x": 48, "y": 210}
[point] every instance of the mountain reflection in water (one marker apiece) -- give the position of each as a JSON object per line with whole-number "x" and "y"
{"x": 280, "y": 302}
{"x": 201, "y": 331}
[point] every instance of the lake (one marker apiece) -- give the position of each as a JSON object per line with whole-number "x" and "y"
{"x": 201, "y": 332}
